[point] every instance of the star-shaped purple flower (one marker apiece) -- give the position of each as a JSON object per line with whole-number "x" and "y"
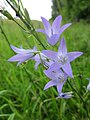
{"x": 22, "y": 54}
{"x": 53, "y": 32}
{"x": 58, "y": 78}
{"x": 62, "y": 58}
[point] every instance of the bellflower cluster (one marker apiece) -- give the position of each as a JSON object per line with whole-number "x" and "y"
{"x": 62, "y": 58}
{"x": 60, "y": 68}
{"x": 56, "y": 63}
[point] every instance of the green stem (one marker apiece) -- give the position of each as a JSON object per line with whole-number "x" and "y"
{"x": 75, "y": 91}
{"x": 5, "y": 35}
{"x": 37, "y": 38}
{"x": 29, "y": 26}
{"x": 79, "y": 96}
{"x": 19, "y": 25}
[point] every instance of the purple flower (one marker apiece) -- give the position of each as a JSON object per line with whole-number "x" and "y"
{"x": 22, "y": 54}
{"x": 61, "y": 58}
{"x": 66, "y": 95}
{"x": 53, "y": 32}
{"x": 58, "y": 78}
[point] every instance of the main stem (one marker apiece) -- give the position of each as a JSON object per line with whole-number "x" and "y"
{"x": 29, "y": 26}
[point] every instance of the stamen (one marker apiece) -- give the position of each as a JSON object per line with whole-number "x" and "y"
{"x": 62, "y": 59}
{"x": 61, "y": 78}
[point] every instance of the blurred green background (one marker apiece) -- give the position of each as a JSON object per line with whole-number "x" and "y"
{"x": 74, "y": 10}
{"x": 21, "y": 88}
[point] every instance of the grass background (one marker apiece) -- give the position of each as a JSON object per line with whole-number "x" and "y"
{"x": 21, "y": 88}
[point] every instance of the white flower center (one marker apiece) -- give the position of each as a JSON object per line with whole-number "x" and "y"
{"x": 62, "y": 59}
{"x": 61, "y": 78}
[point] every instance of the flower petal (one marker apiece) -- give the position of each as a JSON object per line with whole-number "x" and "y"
{"x": 59, "y": 87}
{"x": 55, "y": 67}
{"x": 64, "y": 27}
{"x": 50, "y": 84}
{"x": 20, "y": 57}
{"x": 17, "y": 57}
{"x": 47, "y": 26}
{"x": 20, "y": 50}
{"x": 62, "y": 48}
{"x": 34, "y": 48}
{"x": 88, "y": 86}
{"x": 52, "y": 40}
{"x": 36, "y": 64}
{"x": 41, "y": 30}
{"x": 50, "y": 54}
{"x": 17, "y": 50}
{"x": 67, "y": 69}
{"x": 49, "y": 74}
{"x": 66, "y": 95}
{"x": 25, "y": 58}
{"x": 73, "y": 55}
{"x": 56, "y": 24}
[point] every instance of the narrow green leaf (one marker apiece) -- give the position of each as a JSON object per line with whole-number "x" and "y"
{"x": 3, "y": 92}
{"x": 27, "y": 15}
{"x": 6, "y": 14}
{"x": 11, "y": 117}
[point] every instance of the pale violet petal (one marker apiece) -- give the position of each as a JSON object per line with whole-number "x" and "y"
{"x": 20, "y": 50}
{"x": 17, "y": 50}
{"x": 52, "y": 40}
{"x": 73, "y": 55}
{"x": 36, "y": 64}
{"x": 55, "y": 67}
{"x": 56, "y": 24}
{"x": 59, "y": 87}
{"x": 64, "y": 27}
{"x": 21, "y": 47}
{"x": 47, "y": 26}
{"x": 41, "y": 30}
{"x": 67, "y": 69}
{"x": 50, "y": 54}
{"x": 25, "y": 58}
{"x": 62, "y": 48}
{"x": 20, "y": 57}
{"x": 49, "y": 74}
{"x": 17, "y": 57}
{"x": 36, "y": 57}
{"x": 50, "y": 84}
